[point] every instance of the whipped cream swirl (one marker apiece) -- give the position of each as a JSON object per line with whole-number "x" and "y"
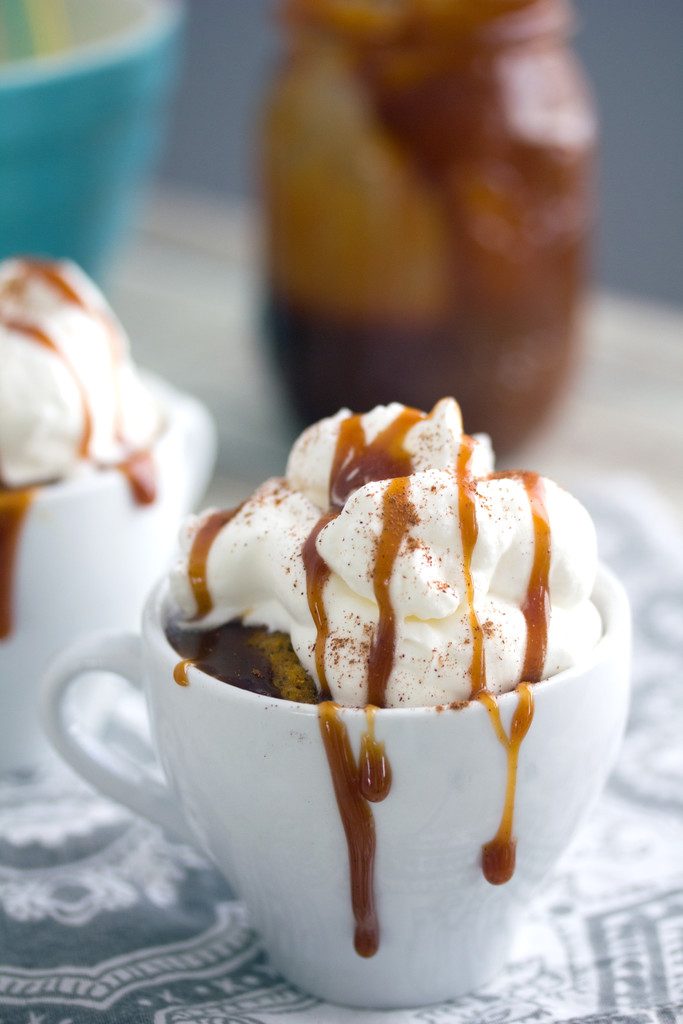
{"x": 424, "y": 545}
{"x": 69, "y": 393}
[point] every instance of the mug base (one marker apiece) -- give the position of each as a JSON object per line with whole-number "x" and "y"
{"x": 412, "y": 989}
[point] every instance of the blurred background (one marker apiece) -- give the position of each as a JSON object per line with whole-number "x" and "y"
{"x": 630, "y": 49}
{"x": 284, "y": 236}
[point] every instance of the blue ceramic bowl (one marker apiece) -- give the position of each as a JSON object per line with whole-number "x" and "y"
{"x": 78, "y": 131}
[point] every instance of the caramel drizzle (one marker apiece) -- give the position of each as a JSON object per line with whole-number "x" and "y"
{"x": 140, "y": 472}
{"x": 138, "y": 469}
{"x": 498, "y": 856}
{"x": 469, "y": 532}
{"x": 14, "y": 506}
{"x": 355, "y": 785}
{"x": 51, "y": 274}
{"x": 536, "y": 606}
{"x": 180, "y": 672}
{"x": 40, "y": 336}
{"x": 358, "y": 462}
{"x": 199, "y": 556}
{"x": 398, "y": 515}
{"x": 317, "y": 575}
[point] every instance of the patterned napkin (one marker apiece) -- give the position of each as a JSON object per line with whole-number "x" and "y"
{"x": 103, "y": 920}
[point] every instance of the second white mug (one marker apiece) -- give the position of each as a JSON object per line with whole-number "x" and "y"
{"x": 86, "y": 558}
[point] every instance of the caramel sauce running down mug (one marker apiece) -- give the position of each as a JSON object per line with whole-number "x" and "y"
{"x": 248, "y": 780}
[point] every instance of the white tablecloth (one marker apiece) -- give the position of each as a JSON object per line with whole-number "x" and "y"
{"x": 104, "y": 920}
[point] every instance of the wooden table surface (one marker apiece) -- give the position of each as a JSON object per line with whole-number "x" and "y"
{"x": 188, "y": 291}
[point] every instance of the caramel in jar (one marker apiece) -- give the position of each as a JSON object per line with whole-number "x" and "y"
{"x": 429, "y": 200}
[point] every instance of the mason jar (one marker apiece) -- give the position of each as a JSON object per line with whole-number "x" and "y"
{"x": 429, "y": 199}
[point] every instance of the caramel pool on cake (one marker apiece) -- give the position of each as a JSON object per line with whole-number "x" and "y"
{"x": 391, "y": 567}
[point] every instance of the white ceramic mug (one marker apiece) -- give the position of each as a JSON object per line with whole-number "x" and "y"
{"x": 250, "y": 776}
{"x": 87, "y": 557}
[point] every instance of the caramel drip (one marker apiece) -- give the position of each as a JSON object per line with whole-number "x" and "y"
{"x": 499, "y": 855}
{"x": 357, "y": 785}
{"x": 357, "y": 462}
{"x": 536, "y": 606}
{"x": 469, "y": 531}
{"x": 375, "y": 769}
{"x": 398, "y": 515}
{"x": 317, "y": 575}
{"x": 356, "y": 815}
{"x": 140, "y": 472}
{"x": 40, "y": 336}
{"x": 199, "y": 555}
{"x": 180, "y": 672}
{"x": 14, "y": 506}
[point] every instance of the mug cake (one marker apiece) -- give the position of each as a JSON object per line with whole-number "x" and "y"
{"x": 391, "y": 567}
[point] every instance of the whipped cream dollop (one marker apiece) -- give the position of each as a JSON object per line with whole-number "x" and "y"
{"x": 439, "y": 559}
{"x": 69, "y": 392}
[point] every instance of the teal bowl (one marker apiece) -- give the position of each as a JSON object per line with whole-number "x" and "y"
{"x": 79, "y": 131}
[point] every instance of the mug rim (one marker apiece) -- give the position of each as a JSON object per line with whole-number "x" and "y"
{"x": 154, "y": 20}
{"x": 609, "y": 596}
{"x": 174, "y": 404}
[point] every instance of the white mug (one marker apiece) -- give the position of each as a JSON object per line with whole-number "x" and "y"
{"x": 250, "y": 777}
{"x": 87, "y": 556}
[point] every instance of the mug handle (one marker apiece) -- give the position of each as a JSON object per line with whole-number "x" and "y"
{"x": 130, "y": 782}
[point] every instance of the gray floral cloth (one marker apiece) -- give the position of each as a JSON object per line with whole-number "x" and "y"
{"x": 104, "y": 920}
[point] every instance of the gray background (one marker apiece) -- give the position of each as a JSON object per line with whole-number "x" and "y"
{"x": 633, "y": 50}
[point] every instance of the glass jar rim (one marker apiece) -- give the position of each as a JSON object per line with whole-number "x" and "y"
{"x": 421, "y": 21}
